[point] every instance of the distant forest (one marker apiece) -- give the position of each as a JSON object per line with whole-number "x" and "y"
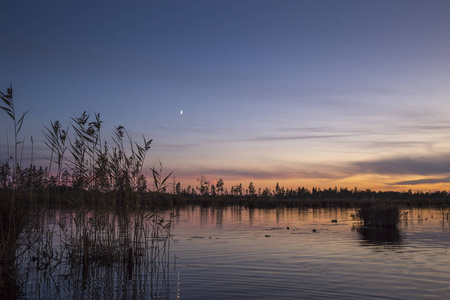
{"x": 203, "y": 188}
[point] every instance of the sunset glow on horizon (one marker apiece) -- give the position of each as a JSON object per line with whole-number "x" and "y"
{"x": 303, "y": 93}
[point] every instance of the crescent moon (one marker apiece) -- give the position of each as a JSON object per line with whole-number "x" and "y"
{"x": 181, "y": 112}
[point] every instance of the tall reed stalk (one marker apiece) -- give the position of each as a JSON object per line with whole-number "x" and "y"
{"x": 9, "y": 108}
{"x": 56, "y": 141}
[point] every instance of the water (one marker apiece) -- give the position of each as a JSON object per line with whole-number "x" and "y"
{"x": 251, "y": 254}
{"x": 238, "y": 253}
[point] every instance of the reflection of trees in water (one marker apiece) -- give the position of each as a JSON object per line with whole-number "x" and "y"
{"x": 251, "y": 216}
{"x": 204, "y": 216}
{"x": 219, "y": 217}
{"x": 388, "y": 238}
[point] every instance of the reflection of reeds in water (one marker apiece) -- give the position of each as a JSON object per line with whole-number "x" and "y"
{"x": 380, "y": 236}
{"x": 98, "y": 254}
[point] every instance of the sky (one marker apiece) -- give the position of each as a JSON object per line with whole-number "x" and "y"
{"x": 304, "y": 93}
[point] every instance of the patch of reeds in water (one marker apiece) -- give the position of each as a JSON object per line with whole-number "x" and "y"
{"x": 91, "y": 252}
{"x": 379, "y": 213}
{"x": 109, "y": 227}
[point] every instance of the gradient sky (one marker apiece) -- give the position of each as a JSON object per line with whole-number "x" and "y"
{"x": 304, "y": 93}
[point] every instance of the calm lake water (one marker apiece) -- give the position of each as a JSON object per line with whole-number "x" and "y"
{"x": 239, "y": 253}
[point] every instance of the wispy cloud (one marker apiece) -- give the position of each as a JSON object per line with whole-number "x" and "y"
{"x": 432, "y": 165}
{"x": 216, "y": 130}
{"x": 389, "y": 90}
{"x": 275, "y": 173}
{"x": 423, "y": 181}
{"x": 304, "y": 129}
{"x": 390, "y": 144}
{"x": 265, "y": 138}
{"x": 297, "y": 137}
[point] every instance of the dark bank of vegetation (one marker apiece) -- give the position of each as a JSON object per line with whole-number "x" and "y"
{"x": 115, "y": 213}
{"x": 302, "y": 197}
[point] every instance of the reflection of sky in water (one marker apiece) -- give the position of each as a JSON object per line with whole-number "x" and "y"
{"x": 236, "y": 253}
{"x": 231, "y": 253}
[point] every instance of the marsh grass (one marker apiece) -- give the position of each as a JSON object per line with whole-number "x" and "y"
{"x": 91, "y": 251}
{"x": 379, "y": 213}
{"x": 103, "y": 238}
{"x": 111, "y": 227}
{"x": 114, "y": 223}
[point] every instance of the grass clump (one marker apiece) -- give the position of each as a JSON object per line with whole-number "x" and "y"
{"x": 379, "y": 213}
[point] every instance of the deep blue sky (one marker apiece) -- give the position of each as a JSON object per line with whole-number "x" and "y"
{"x": 307, "y": 93}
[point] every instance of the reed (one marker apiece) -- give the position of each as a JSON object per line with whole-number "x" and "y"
{"x": 74, "y": 250}
{"x": 111, "y": 224}
{"x": 9, "y": 108}
{"x": 379, "y": 213}
{"x": 56, "y": 141}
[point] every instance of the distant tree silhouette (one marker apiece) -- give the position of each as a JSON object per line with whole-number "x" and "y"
{"x": 266, "y": 192}
{"x": 178, "y": 188}
{"x": 251, "y": 189}
{"x": 203, "y": 187}
{"x": 219, "y": 186}
{"x": 236, "y": 190}
{"x": 279, "y": 192}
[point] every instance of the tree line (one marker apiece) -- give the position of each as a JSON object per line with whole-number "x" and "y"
{"x": 206, "y": 189}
